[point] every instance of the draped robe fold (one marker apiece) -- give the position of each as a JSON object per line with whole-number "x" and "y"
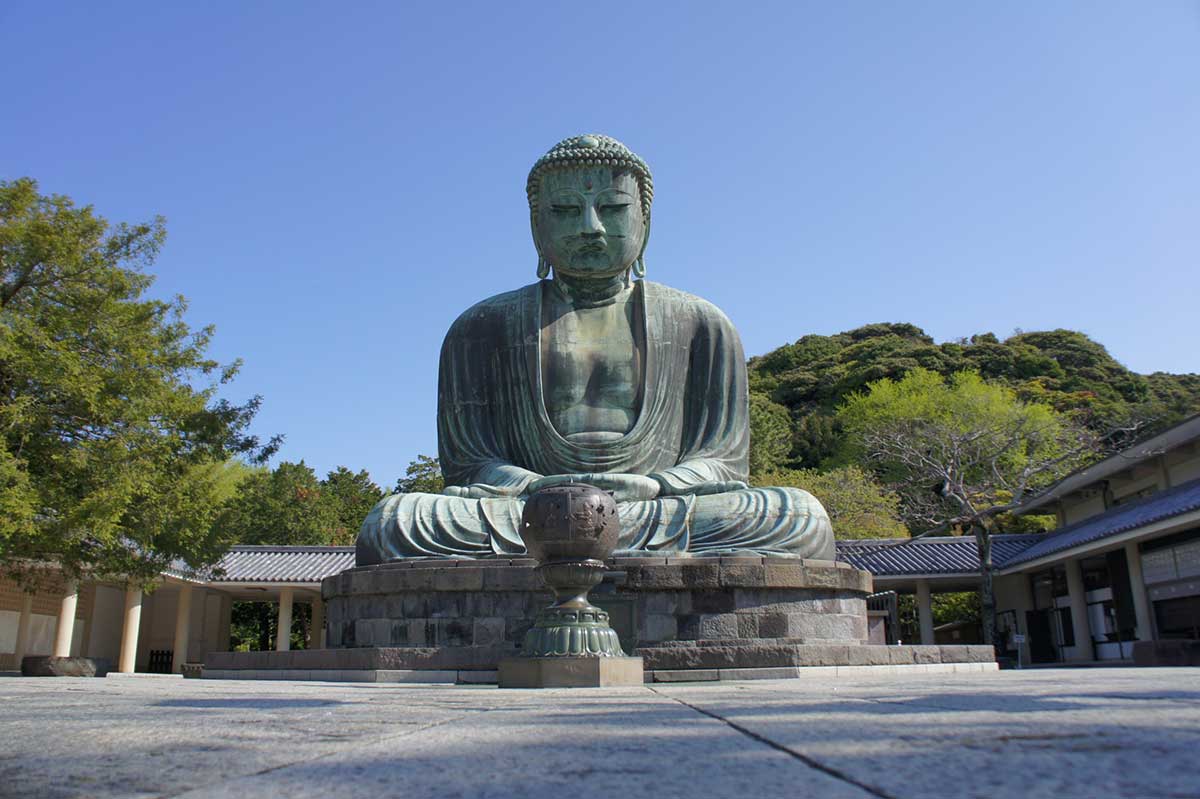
{"x": 692, "y": 428}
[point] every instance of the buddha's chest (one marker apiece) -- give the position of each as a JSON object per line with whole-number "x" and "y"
{"x": 592, "y": 368}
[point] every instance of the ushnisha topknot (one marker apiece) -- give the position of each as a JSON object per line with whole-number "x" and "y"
{"x": 590, "y": 149}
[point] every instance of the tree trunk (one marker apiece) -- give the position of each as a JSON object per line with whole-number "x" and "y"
{"x": 987, "y": 594}
{"x": 306, "y": 625}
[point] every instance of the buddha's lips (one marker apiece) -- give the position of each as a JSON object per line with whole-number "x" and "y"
{"x": 592, "y": 247}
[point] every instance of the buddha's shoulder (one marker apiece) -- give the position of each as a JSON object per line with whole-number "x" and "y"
{"x": 679, "y": 302}
{"x": 496, "y": 309}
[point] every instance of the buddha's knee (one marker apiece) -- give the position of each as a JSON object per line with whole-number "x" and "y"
{"x": 764, "y": 500}
{"x": 799, "y": 499}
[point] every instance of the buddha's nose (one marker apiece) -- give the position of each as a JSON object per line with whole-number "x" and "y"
{"x": 591, "y": 222}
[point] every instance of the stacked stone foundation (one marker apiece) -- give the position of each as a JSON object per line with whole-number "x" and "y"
{"x": 454, "y": 620}
{"x": 651, "y": 601}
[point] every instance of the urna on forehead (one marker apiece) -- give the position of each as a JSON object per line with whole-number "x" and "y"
{"x": 591, "y": 151}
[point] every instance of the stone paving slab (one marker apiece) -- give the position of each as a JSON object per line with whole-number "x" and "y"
{"x": 1049, "y": 732}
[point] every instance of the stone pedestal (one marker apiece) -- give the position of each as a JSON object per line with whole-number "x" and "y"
{"x": 490, "y": 604}
{"x": 570, "y": 672}
{"x": 686, "y": 618}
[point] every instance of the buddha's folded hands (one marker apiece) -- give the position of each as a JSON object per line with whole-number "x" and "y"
{"x": 625, "y": 487}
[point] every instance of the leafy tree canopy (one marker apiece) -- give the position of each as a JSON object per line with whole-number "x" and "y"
{"x": 1063, "y": 369}
{"x": 423, "y": 476}
{"x": 858, "y": 506}
{"x": 770, "y": 434}
{"x": 352, "y": 494}
{"x": 113, "y": 443}
{"x": 961, "y": 452}
{"x": 290, "y": 506}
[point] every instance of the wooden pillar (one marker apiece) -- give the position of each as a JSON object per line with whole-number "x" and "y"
{"x": 66, "y": 620}
{"x": 183, "y": 628}
{"x": 127, "y": 662}
{"x": 23, "y": 628}
{"x": 925, "y": 611}
{"x": 283, "y": 633}
{"x": 317, "y": 632}
{"x": 1137, "y": 588}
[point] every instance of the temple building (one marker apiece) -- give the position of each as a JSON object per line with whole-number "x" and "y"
{"x": 187, "y": 615}
{"x": 1123, "y": 566}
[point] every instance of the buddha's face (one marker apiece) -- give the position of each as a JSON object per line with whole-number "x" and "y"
{"x": 589, "y": 221}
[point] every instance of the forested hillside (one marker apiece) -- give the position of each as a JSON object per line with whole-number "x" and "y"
{"x": 803, "y": 383}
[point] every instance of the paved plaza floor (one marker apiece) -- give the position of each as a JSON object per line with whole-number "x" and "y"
{"x": 1047, "y": 732}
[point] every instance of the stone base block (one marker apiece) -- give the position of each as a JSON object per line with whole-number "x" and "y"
{"x": 417, "y": 676}
{"x": 783, "y": 654}
{"x": 49, "y": 666}
{"x": 399, "y": 658}
{"x": 815, "y": 672}
{"x": 461, "y": 615}
{"x": 446, "y": 603}
{"x": 570, "y": 672}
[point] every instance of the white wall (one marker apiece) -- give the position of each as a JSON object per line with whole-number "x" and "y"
{"x": 212, "y": 625}
{"x": 1121, "y": 489}
{"x": 41, "y": 633}
{"x": 1082, "y": 508}
{"x": 158, "y": 623}
{"x": 108, "y": 617}
{"x": 1185, "y": 470}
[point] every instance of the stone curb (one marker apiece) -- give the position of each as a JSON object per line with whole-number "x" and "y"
{"x": 450, "y": 677}
{"x": 767, "y": 653}
{"x": 810, "y": 672}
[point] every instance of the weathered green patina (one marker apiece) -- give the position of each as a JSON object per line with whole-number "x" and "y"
{"x": 591, "y": 375}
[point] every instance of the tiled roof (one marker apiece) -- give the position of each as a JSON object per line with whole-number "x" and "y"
{"x": 950, "y": 555}
{"x": 1175, "y": 501}
{"x": 247, "y": 564}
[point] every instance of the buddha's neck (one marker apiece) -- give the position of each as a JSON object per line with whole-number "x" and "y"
{"x": 583, "y": 292}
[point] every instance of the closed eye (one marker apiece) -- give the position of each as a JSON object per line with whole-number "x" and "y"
{"x": 565, "y": 210}
{"x": 614, "y": 207}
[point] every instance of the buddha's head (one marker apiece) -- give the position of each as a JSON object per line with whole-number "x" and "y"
{"x": 589, "y": 206}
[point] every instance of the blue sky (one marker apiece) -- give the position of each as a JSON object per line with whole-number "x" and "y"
{"x": 342, "y": 180}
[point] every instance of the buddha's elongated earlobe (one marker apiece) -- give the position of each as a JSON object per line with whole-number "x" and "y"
{"x": 639, "y": 266}
{"x": 543, "y": 268}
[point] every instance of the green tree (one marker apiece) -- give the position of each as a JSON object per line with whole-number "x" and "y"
{"x": 289, "y": 506}
{"x": 948, "y": 607}
{"x": 770, "y": 434}
{"x": 284, "y": 506}
{"x": 423, "y": 476}
{"x": 1061, "y": 368}
{"x": 858, "y": 506}
{"x": 961, "y": 453}
{"x": 253, "y": 626}
{"x": 112, "y": 439}
{"x": 352, "y": 495}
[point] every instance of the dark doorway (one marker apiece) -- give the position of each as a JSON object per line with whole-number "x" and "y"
{"x": 1041, "y": 636}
